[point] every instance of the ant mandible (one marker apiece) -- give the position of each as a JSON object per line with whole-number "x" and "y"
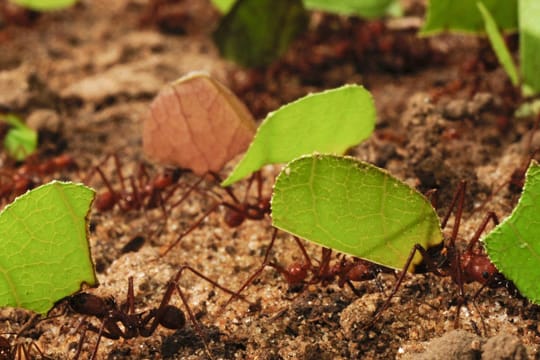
{"x": 236, "y": 211}
{"x": 123, "y": 322}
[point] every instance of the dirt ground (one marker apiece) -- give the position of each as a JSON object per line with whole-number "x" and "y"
{"x": 85, "y": 78}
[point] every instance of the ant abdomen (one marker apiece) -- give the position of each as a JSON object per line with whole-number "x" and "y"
{"x": 173, "y": 318}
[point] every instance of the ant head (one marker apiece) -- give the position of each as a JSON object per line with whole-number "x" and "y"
{"x": 105, "y": 201}
{"x": 173, "y": 318}
{"x": 296, "y": 273}
{"x": 167, "y": 178}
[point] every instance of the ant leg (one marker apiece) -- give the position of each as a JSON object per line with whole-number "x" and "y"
{"x": 186, "y": 194}
{"x": 164, "y": 250}
{"x": 416, "y": 248}
{"x": 100, "y": 334}
{"x": 259, "y": 270}
{"x": 476, "y": 237}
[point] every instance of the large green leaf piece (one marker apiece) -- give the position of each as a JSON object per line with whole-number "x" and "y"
{"x": 463, "y": 15}
{"x": 514, "y": 245}
{"x": 255, "y": 32}
{"x": 44, "y": 5}
{"x": 498, "y": 44}
{"x": 529, "y": 44}
{"x": 44, "y": 249}
{"x": 327, "y": 122}
{"x": 364, "y": 8}
{"x": 355, "y": 208}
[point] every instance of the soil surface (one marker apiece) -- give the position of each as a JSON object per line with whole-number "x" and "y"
{"x": 85, "y": 77}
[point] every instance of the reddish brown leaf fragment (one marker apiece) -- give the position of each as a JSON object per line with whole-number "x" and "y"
{"x": 198, "y": 124}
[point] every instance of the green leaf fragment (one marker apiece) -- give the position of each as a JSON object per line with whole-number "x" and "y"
{"x": 498, "y": 44}
{"x": 255, "y": 32}
{"x": 514, "y": 245}
{"x": 364, "y": 8}
{"x": 529, "y": 44}
{"x": 331, "y": 122}
{"x": 463, "y": 15}
{"x": 223, "y": 5}
{"x": 44, "y": 246}
{"x": 45, "y": 5}
{"x": 20, "y": 141}
{"x": 355, "y": 208}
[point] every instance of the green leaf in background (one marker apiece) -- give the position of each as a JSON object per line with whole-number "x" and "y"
{"x": 44, "y": 5}
{"x": 44, "y": 248}
{"x": 463, "y": 15}
{"x": 498, "y": 44}
{"x": 364, "y": 8}
{"x": 223, "y": 5}
{"x": 529, "y": 44}
{"x": 20, "y": 141}
{"x": 330, "y": 121}
{"x": 355, "y": 208}
{"x": 514, "y": 245}
{"x": 255, "y": 32}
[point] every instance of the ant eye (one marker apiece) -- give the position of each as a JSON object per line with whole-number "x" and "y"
{"x": 485, "y": 275}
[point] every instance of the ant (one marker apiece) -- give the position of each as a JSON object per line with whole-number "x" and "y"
{"x": 19, "y": 351}
{"x": 30, "y": 174}
{"x": 144, "y": 192}
{"x": 121, "y": 321}
{"x": 236, "y": 211}
{"x": 469, "y": 266}
{"x": 345, "y": 272}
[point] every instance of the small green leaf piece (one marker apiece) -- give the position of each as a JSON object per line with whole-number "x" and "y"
{"x": 529, "y": 44}
{"x": 355, "y": 208}
{"x": 327, "y": 122}
{"x": 514, "y": 245}
{"x": 44, "y": 246}
{"x": 463, "y": 15}
{"x": 223, "y": 5}
{"x": 255, "y": 32}
{"x": 44, "y": 5}
{"x": 498, "y": 44}
{"x": 364, "y": 8}
{"x": 20, "y": 141}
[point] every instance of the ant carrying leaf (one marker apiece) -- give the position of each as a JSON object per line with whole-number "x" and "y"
{"x": 358, "y": 209}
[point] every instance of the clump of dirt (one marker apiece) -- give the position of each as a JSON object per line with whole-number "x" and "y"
{"x": 444, "y": 115}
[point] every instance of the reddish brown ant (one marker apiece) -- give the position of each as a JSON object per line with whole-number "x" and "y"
{"x": 30, "y": 174}
{"x": 464, "y": 267}
{"x": 143, "y": 193}
{"x": 345, "y": 271}
{"x": 236, "y": 211}
{"x": 20, "y": 351}
{"x": 121, "y": 321}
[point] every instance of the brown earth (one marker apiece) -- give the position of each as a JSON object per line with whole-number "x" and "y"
{"x": 85, "y": 78}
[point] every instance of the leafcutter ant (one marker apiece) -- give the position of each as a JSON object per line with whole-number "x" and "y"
{"x": 143, "y": 192}
{"x": 468, "y": 266}
{"x": 121, "y": 321}
{"x": 345, "y": 271}
{"x": 19, "y": 350}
